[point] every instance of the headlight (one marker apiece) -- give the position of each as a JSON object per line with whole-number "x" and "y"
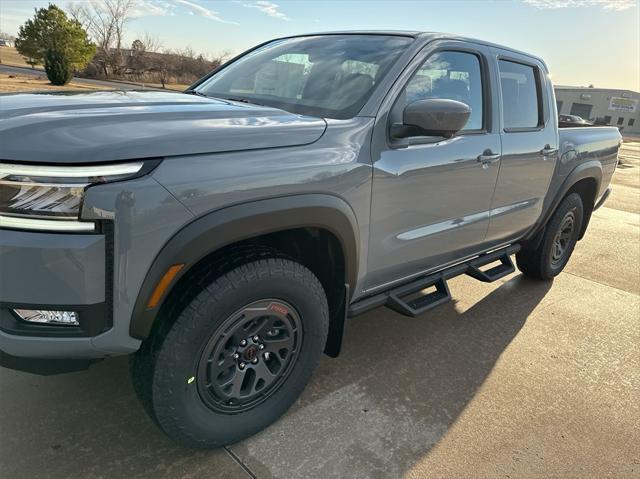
{"x": 30, "y": 198}
{"x": 50, "y": 197}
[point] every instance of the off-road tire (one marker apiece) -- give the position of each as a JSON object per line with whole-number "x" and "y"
{"x": 164, "y": 369}
{"x": 544, "y": 263}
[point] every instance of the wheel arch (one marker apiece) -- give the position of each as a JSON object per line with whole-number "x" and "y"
{"x": 222, "y": 228}
{"x": 587, "y": 188}
{"x": 585, "y": 179}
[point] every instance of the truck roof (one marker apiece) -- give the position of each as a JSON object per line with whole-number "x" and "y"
{"x": 427, "y": 36}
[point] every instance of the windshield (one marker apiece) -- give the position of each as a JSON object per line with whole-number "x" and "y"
{"x": 326, "y": 76}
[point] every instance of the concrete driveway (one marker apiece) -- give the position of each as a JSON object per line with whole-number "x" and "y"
{"x": 512, "y": 379}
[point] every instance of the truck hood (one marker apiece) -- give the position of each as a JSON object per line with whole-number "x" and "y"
{"x": 117, "y": 125}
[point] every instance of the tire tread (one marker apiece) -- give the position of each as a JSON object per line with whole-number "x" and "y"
{"x": 190, "y": 310}
{"x": 535, "y": 263}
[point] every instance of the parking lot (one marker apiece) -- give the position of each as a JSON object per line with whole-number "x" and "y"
{"x": 511, "y": 379}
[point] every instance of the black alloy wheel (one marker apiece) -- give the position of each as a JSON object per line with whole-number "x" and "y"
{"x": 249, "y": 356}
{"x": 560, "y": 236}
{"x": 232, "y": 351}
{"x": 563, "y": 239}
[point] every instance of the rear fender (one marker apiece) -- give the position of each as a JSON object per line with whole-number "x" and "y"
{"x": 589, "y": 169}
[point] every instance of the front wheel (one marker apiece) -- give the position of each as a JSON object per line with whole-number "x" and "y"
{"x": 559, "y": 240}
{"x": 237, "y": 356}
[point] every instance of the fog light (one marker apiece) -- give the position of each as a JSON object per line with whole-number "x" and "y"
{"x": 65, "y": 318}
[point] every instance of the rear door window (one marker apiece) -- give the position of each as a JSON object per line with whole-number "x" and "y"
{"x": 521, "y": 100}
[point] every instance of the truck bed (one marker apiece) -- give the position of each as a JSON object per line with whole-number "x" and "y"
{"x": 580, "y": 144}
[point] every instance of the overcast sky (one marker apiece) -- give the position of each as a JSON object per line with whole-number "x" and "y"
{"x": 583, "y": 41}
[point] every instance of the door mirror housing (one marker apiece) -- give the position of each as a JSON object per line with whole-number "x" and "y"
{"x": 432, "y": 117}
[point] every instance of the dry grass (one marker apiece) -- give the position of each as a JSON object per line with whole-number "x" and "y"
{"x": 11, "y": 83}
{"x": 9, "y": 56}
{"x": 169, "y": 86}
{"x": 15, "y": 82}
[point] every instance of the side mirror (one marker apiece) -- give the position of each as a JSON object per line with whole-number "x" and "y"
{"x": 432, "y": 117}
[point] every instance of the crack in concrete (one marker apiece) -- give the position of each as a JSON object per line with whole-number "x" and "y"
{"x": 238, "y": 461}
{"x": 601, "y": 284}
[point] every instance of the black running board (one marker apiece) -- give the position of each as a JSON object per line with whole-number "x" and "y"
{"x": 427, "y": 292}
{"x": 423, "y": 303}
{"x": 490, "y": 275}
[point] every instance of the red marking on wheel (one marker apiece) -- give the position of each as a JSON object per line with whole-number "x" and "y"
{"x": 279, "y": 309}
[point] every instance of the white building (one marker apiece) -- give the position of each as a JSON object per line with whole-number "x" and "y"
{"x": 604, "y": 105}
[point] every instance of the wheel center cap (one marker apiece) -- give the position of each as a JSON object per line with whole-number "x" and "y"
{"x": 251, "y": 353}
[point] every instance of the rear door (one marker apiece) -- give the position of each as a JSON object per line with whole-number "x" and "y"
{"x": 430, "y": 196}
{"x": 529, "y": 137}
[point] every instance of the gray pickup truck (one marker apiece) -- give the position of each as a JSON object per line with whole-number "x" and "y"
{"x": 222, "y": 236}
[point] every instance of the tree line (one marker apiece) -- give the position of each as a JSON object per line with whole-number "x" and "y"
{"x": 89, "y": 39}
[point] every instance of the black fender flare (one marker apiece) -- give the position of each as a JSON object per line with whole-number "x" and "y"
{"x": 212, "y": 231}
{"x": 589, "y": 169}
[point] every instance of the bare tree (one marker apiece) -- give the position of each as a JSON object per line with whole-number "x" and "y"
{"x": 151, "y": 43}
{"x": 223, "y": 57}
{"x": 105, "y": 21}
{"x": 142, "y": 55}
{"x": 7, "y": 37}
{"x": 145, "y": 59}
{"x": 165, "y": 65}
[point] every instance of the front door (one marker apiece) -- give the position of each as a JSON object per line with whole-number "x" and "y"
{"x": 431, "y": 197}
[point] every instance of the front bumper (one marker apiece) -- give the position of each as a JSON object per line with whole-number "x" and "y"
{"x": 98, "y": 274}
{"x": 56, "y": 272}
{"x": 44, "y": 367}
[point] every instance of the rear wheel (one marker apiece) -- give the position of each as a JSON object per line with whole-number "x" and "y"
{"x": 237, "y": 355}
{"x": 559, "y": 240}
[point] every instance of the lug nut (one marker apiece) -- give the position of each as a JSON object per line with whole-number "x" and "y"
{"x": 242, "y": 365}
{"x": 243, "y": 342}
{"x": 236, "y": 355}
{"x": 255, "y": 361}
{"x": 261, "y": 346}
{"x": 255, "y": 339}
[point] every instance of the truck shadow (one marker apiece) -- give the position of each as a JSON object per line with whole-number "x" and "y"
{"x": 394, "y": 392}
{"x": 398, "y": 386}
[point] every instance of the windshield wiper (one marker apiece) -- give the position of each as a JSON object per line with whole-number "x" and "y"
{"x": 241, "y": 100}
{"x": 244, "y": 100}
{"x": 195, "y": 92}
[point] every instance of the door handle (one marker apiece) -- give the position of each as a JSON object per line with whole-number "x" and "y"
{"x": 547, "y": 150}
{"x": 488, "y": 157}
